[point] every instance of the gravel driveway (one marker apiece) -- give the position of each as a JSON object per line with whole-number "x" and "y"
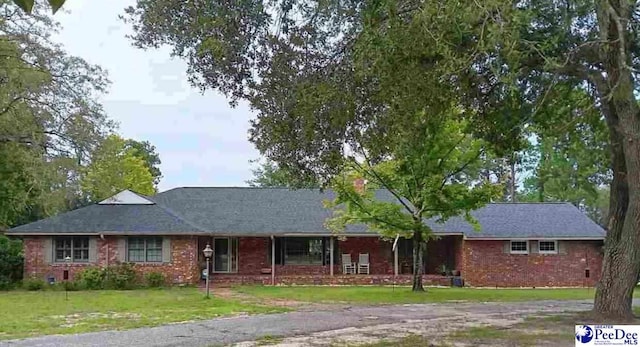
{"x": 225, "y": 331}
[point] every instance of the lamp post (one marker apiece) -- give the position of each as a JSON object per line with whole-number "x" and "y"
{"x": 208, "y": 252}
{"x": 67, "y": 261}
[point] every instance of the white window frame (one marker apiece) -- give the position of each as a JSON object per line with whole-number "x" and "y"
{"x": 555, "y": 247}
{"x": 518, "y": 252}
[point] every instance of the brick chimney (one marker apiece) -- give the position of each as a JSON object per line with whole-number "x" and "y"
{"x": 360, "y": 184}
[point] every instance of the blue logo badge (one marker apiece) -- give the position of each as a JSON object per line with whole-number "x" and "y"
{"x": 584, "y": 333}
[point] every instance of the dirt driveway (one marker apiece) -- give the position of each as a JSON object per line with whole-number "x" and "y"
{"x": 337, "y": 325}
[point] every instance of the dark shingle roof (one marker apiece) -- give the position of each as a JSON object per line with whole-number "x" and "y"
{"x": 109, "y": 219}
{"x": 267, "y": 211}
{"x": 530, "y": 220}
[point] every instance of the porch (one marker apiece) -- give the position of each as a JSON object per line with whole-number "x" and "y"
{"x": 220, "y": 280}
{"x": 317, "y": 260}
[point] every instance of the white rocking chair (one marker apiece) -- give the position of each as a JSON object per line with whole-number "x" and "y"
{"x": 348, "y": 267}
{"x": 363, "y": 263}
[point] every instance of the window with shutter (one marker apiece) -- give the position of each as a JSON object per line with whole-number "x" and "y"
{"x": 520, "y": 247}
{"x": 548, "y": 247}
{"x": 76, "y": 248}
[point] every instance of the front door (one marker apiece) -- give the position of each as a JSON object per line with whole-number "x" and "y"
{"x": 221, "y": 255}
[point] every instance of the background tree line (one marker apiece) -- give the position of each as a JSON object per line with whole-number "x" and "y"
{"x": 58, "y": 148}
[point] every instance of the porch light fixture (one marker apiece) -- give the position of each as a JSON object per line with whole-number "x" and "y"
{"x": 208, "y": 252}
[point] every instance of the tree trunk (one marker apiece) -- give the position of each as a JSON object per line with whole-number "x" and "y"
{"x": 512, "y": 183}
{"x": 621, "y": 263}
{"x": 542, "y": 174}
{"x": 418, "y": 256}
{"x": 611, "y": 299}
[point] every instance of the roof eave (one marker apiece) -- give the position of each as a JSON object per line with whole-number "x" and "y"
{"x": 563, "y": 238}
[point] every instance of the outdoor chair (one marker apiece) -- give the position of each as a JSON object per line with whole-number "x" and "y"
{"x": 363, "y": 263}
{"x": 348, "y": 267}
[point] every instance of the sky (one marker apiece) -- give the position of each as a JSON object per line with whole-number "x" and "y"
{"x": 202, "y": 141}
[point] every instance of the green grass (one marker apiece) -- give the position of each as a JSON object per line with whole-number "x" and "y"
{"x": 26, "y": 314}
{"x": 409, "y": 341}
{"x": 514, "y": 336}
{"x": 268, "y": 340}
{"x": 399, "y": 295}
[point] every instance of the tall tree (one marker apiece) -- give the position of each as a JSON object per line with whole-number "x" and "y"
{"x": 321, "y": 74}
{"x": 147, "y": 152}
{"x": 433, "y": 175}
{"x": 50, "y": 120}
{"x": 269, "y": 174}
{"x": 570, "y": 157}
{"x": 115, "y": 167}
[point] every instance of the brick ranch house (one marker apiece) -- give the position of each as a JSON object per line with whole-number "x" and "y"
{"x": 278, "y": 236}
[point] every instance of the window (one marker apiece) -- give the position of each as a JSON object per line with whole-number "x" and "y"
{"x": 225, "y": 254}
{"x": 405, "y": 248}
{"x": 77, "y": 248}
{"x": 144, "y": 249}
{"x": 305, "y": 251}
{"x": 519, "y": 247}
{"x": 299, "y": 250}
{"x": 548, "y": 247}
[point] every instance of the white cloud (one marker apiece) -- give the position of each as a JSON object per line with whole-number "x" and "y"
{"x": 200, "y": 138}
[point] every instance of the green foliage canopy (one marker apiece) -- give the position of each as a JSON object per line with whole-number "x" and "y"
{"x": 50, "y": 120}
{"x": 147, "y": 152}
{"x": 115, "y": 167}
{"x": 269, "y": 174}
{"x": 27, "y": 5}
{"x": 433, "y": 175}
{"x": 11, "y": 260}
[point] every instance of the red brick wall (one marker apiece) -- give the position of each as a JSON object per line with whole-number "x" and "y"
{"x": 223, "y": 280}
{"x": 183, "y": 267}
{"x": 486, "y": 264}
{"x": 35, "y": 265}
{"x": 482, "y": 263}
{"x": 380, "y": 253}
{"x": 253, "y": 256}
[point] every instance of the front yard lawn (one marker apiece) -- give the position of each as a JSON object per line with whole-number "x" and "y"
{"x": 26, "y": 314}
{"x": 402, "y": 295}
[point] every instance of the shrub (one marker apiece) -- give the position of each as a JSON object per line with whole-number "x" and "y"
{"x": 121, "y": 276}
{"x": 154, "y": 279}
{"x": 34, "y": 284}
{"x": 11, "y": 261}
{"x": 73, "y": 286}
{"x": 6, "y": 284}
{"x": 91, "y": 278}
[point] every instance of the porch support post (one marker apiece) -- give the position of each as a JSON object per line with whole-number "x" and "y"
{"x": 395, "y": 261}
{"x": 331, "y": 255}
{"x": 273, "y": 260}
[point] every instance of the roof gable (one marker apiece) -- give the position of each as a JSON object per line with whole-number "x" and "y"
{"x": 126, "y": 197}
